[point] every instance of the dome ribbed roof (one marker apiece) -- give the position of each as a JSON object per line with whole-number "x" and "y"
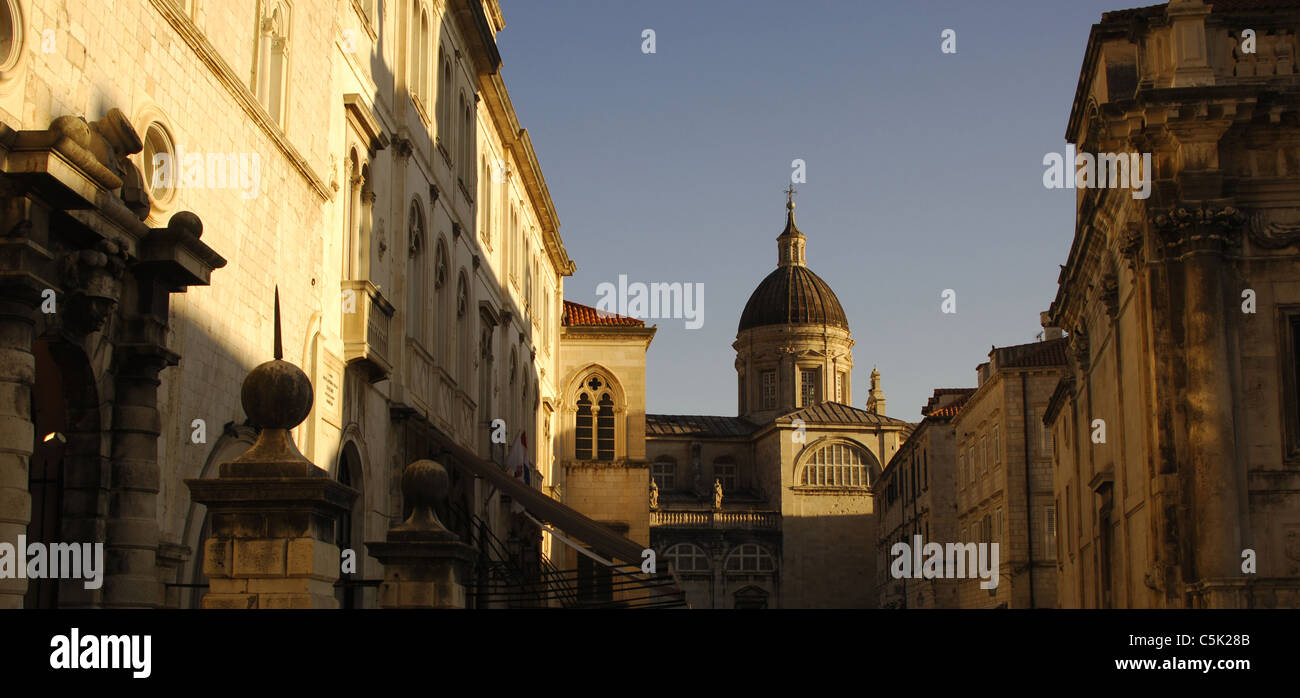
{"x": 793, "y": 294}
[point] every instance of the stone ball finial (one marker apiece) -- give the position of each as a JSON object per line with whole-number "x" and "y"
{"x": 186, "y": 222}
{"x": 425, "y": 483}
{"x": 276, "y": 395}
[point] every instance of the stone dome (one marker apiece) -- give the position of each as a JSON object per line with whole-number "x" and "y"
{"x": 793, "y": 294}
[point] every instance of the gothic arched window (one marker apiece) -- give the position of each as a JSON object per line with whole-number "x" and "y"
{"x": 594, "y": 422}
{"x": 440, "y": 266}
{"x": 583, "y": 428}
{"x": 415, "y": 278}
{"x": 444, "y": 106}
{"x": 605, "y": 429}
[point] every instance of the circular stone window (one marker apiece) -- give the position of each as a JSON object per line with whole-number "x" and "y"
{"x": 11, "y": 37}
{"x": 160, "y": 167}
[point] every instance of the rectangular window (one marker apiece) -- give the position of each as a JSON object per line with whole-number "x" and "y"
{"x": 997, "y": 525}
{"x": 664, "y": 474}
{"x": 1049, "y": 517}
{"x": 839, "y": 386}
{"x": 984, "y": 454}
{"x": 1289, "y": 365}
{"x": 768, "y": 387}
{"x": 1295, "y": 373}
{"x": 970, "y": 461}
{"x": 1069, "y": 531}
{"x": 961, "y": 468}
{"x": 997, "y": 445}
{"x": 808, "y": 387}
{"x": 726, "y": 472}
{"x": 1044, "y": 434}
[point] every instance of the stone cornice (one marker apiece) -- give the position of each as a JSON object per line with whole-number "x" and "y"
{"x": 225, "y": 75}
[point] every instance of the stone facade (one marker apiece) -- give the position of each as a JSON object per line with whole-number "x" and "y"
{"x": 1179, "y": 442}
{"x": 363, "y": 157}
{"x": 917, "y": 496}
{"x": 602, "y": 445}
{"x": 1004, "y": 475}
{"x": 795, "y": 469}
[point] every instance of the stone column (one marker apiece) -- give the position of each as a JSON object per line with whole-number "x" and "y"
{"x": 131, "y": 552}
{"x": 19, "y": 300}
{"x": 425, "y": 565}
{"x": 1200, "y": 238}
{"x": 272, "y": 511}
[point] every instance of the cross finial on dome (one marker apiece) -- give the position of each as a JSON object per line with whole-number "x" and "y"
{"x": 789, "y": 193}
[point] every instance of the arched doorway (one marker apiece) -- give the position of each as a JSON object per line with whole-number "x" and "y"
{"x": 348, "y": 529}
{"x": 66, "y": 473}
{"x": 45, "y": 472}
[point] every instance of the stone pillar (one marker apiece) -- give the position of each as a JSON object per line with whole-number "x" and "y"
{"x": 425, "y": 565}
{"x": 132, "y": 546}
{"x": 1200, "y": 238}
{"x": 272, "y": 511}
{"x": 19, "y": 300}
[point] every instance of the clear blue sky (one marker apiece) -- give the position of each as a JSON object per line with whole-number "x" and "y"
{"x": 924, "y": 169}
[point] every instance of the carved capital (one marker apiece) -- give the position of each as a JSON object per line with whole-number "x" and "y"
{"x": 402, "y": 147}
{"x": 1109, "y": 293}
{"x": 1130, "y": 246}
{"x": 1078, "y": 349}
{"x": 1184, "y": 228}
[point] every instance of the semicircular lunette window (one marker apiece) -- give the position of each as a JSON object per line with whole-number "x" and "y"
{"x": 836, "y": 465}
{"x": 750, "y": 557}
{"x": 160, "y": 166}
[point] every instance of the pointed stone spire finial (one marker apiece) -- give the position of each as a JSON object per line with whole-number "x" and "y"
{"x": 279, "y": 347}
{"x": 790, "y": 243}
{"x": 277, "y": 396}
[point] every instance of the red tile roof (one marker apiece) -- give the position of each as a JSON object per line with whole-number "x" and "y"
{"x": 950, "y": 407}
{"x": 579, "y": 315}
{"x": 1047, "y": 353}
{"x": 1216, "y": 6}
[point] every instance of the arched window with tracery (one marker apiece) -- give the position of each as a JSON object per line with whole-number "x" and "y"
{"x": 837, "y": 465}
{"x": 594, "y": 424}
